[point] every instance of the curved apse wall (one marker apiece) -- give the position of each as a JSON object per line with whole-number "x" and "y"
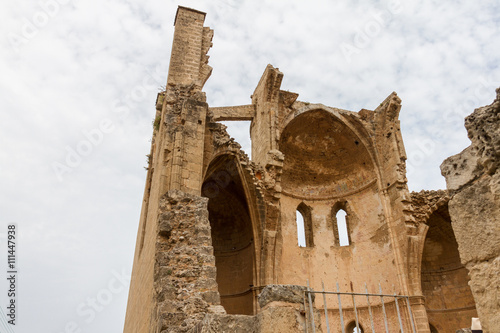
{"x": 323, "y": 157}
{"x": 327, "y": 167}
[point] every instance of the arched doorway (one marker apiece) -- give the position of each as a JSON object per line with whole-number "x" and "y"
{"x": 232, "y": 235}
{"x": 448, "y": 298}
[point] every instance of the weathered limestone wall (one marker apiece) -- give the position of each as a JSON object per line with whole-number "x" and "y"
{"x": 189, "y": 60}
{"x": 216, "y": 229}
{"x": 263, "y": 129}
{"x": 282, "y": 311}
{"x": 442, "y": 279}
{"x": 175, "y": 161}
{"x": 327, "y": 260}
{"x": 473, "y": 180}
{"x": 182, "y": 125}
{"x": 185, "y": 287}
{"x": 448, "y": 297}
{"x": 333, "y": 159}
{"x": 327, "y": 167}
{"x": 232, "y": 234}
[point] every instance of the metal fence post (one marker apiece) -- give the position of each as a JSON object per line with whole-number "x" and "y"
{"x": 326, "y": 309}
{"x": 369, "y": 308}
{"x": 355, "y": 314}
{"x": 311, "y": 308}
{"x": 340, "y": 310}
{"x": 399, "y": 315}
{"x": 411, "y": 315}
{"x": 306, "y": 328}
{"x": 383, "y": 308}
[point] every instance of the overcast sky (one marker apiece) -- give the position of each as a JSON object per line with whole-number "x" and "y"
{"x": 77, "y": 89}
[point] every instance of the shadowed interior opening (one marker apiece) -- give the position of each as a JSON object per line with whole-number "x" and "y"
{"x": 232, "y": 236}
{"x": 352, "y": 328}
{"x": 448, "y": 297}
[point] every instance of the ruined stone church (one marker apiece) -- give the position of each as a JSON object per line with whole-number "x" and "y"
{"x": 218, "y": 242}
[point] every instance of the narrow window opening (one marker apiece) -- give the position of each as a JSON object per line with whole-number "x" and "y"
{"x": 304, "y": 226}
{"x": 341, "y": 217}
{"x": 342, "y": 227}
{"x": 351, "y": 328}
{"x": 301, "y": 234}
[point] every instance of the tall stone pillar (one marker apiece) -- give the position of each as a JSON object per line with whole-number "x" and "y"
{"x": 173, "y": 279}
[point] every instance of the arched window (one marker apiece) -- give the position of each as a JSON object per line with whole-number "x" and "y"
{"x": 340, "y": 224}
{"x": 301, "y": 235}
{"x": 341, "y": 218}
{"x": 351, "y": 328}
{"x": 433, "y": 329}
{"x": 231, "y": 231}
{"x": 304, "y": 226}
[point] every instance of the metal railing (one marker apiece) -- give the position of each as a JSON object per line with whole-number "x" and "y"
{"x": 311, "y": 327}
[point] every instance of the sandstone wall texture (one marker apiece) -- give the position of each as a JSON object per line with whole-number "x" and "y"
{"x": 444, "y": 281}
{"x": 473, "y": 181}
{"x": 175, "y": 164}
{"x": 219, "y": 247}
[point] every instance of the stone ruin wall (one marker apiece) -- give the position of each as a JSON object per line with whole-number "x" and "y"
{"x": 443, "y": 279}
{"x": 217, "y": 241}
{"x": 473, "y": 181}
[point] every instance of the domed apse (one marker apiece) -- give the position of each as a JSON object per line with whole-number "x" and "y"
{"x": 323, "y": 157}
{"x": 448, "y": 297}
{"x": 232, "y": 237}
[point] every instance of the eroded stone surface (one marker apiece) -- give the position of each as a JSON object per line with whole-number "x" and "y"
{"x": 185, "y": 274}
{"x": 217, "y": 323}
{"x": 473, "y": 180}
{"x": 282, "y": 293}
{"x": 427, "y": 202}
{"x": 460, "y": 169}
{"x": 217, "y": 228}
{"x": 485, "y": 285}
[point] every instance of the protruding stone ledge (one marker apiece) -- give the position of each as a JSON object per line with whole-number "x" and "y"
{"x": 282, "y": 293}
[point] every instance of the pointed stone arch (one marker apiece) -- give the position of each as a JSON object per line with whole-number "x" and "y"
{"x": 306, "y": 212}
{"x": 342, "y": 205}
{"x": 234, "y": 233}
{"x": 448, "y": 297}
